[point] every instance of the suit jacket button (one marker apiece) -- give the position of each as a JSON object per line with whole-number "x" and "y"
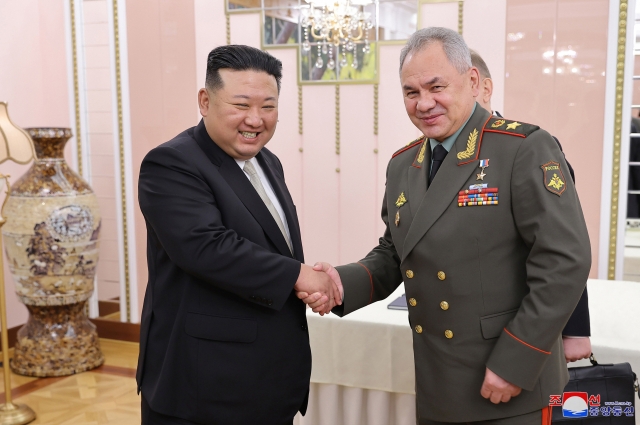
{"x": 304, "y": 327}
{"x": 442, "y": 275}
{"x": 409, "y": 274}
{"x": 444, "y": 305}
{"x": 448, "y": 334}
{"x": 419, "y": 329}
{"x": 412, "y": 302}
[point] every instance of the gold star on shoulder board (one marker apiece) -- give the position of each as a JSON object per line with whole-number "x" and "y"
{"x": 513, "y": 125}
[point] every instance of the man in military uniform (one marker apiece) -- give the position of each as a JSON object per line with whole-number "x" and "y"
{"x": 487, "y": 232}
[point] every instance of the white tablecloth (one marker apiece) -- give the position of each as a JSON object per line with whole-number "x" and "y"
{"x": 363, "y": 372}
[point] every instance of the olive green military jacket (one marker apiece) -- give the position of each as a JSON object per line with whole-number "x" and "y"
{"x": 491, "y": 275}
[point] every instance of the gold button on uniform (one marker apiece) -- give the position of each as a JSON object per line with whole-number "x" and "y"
{"x": 448, "y": 334}
{"x": 419, "y": 329}
{"x": 444, "y": 305}
{"x": 441, "y": 275}
{"x": 409, "y": 274}
{"x": 412, "y": 302}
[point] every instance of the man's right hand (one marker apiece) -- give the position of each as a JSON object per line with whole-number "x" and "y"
{"x": 320, "y": 285}
{"x": 498, "y": 390}
{"x": 317, "y": 301}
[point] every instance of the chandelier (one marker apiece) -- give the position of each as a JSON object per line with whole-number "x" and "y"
{"x": 342, "y": 25}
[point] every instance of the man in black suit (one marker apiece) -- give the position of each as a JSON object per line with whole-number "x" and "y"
{"x": 575, "y": 336}
{"x": 223, "y": 336}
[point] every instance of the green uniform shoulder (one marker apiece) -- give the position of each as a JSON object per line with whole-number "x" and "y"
{"x": 506, "y": 126}
{"x": 409, "y": 146}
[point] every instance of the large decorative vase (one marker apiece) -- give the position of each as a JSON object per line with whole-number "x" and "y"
{"x": 51, "y": 241}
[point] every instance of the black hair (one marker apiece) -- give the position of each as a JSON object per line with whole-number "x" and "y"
{"x": 240, "y": 58}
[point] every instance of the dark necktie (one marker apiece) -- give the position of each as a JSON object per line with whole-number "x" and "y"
{"x": 439, "y": 153}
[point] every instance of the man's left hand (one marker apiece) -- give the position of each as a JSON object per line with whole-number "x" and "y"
{"x": 497, "y": 389}
{"x": 576, "y": 348}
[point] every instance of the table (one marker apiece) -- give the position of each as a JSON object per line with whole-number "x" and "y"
{"x": 363, "y": 371}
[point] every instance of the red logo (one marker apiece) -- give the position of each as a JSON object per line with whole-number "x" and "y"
{"x": 594, "y": 400}
{"x": 555, "y": 400}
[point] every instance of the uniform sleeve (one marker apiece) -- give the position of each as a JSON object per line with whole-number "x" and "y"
{"x": 549, "y": 219}
{"x": 374, "y": 277}
{"x": 182, "y": 211}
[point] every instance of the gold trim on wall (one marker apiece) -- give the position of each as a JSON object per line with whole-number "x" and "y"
{"x": 76, "y": 86}
{"x": 617, "y": 135}
{"x": 123, "y": 190}
{"x": 460, "y": 16}
{"x": 299, "y": 109}
{"x": 337, "y": 119}
{"x": 375, "y": 109}
{"x": 228, "y": 27}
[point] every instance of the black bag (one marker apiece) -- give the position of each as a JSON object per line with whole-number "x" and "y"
{"x": 597, "y": 394}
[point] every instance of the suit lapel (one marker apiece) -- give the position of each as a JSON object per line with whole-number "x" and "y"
{"x": 280, "y": 188}
{"x": 455, "y": 170}
{"x": 242, "y": 187}
{"x": 417, "y": 177}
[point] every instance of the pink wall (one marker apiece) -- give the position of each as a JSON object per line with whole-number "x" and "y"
{"x": 33, "y": 80}
{"x": 162, "y": 81}
{"x": 563, "y": 95}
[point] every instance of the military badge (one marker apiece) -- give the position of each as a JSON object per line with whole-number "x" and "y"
{"x": 478, "y": 186}
{"x": 480, "y": 196}
{"x": 401, "y": 200}
{"x": 513, "y": 125}
{"x": 484, "y": 163}
{"x": 422, "y": 152}
{"x": 498, "y": 123}
{"x": 554, "y": 180}
{"x": 471, "y": 145}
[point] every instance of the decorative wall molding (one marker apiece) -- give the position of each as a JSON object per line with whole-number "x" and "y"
{"x": 124, "y": 166}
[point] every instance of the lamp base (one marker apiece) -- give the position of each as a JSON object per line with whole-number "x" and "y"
{"x": 16, "y": 414}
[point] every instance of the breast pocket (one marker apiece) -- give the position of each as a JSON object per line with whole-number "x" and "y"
{"x": 224, "y": 329}
{"x": 493, "y": 324}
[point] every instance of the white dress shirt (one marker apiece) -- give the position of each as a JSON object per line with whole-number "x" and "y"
{"x": 270, "y": 193}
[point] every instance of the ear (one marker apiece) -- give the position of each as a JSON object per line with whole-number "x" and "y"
{"x": 203, "y": 101}
{"x": 487, "y": 90}
{"x": 475, "y": 81}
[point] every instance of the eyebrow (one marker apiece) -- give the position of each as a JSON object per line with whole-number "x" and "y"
{"x": 244, "y": 96}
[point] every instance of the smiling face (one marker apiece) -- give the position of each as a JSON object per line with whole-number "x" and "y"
{"x": 437, "y": 97}
{"x": 241, "y": 116}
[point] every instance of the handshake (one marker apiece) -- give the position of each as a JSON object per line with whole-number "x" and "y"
{"x": 320, "y": 287}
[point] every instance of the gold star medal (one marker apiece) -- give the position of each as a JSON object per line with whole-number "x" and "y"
{"x": 484, "y": 163}
{"x": 400, "y": 202}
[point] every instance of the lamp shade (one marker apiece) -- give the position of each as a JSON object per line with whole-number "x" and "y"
{"x": 15, "y": 143}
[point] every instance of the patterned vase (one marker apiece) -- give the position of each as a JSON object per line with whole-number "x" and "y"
{"x": 51, "y": 241}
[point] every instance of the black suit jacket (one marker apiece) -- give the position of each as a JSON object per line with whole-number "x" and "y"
{"x": 579, "y": 323}
{"x": 223, "y": 337}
